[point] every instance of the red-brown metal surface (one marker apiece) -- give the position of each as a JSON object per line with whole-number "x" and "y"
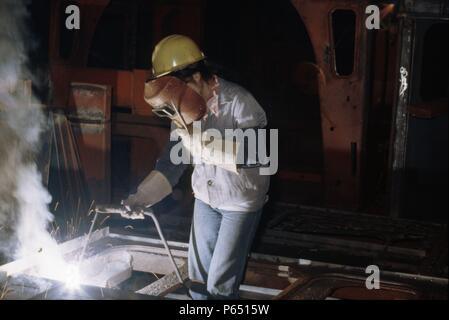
{"x": 345, "y": 287}
{"x": 361, "y": 293}
{"x": 127, "y": 86}
{"x": 342, "y": 100}
{"x": 90, "y": 102}
{"x": 90, "y": 109}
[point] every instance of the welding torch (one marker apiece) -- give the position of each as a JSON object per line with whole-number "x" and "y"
{"x": 139, "y": 213}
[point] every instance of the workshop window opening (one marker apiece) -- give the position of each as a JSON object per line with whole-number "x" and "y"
{"x": 343, "y": 33}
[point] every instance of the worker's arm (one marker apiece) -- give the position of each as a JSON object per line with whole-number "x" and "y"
{"x": 247, "y": 112}
{"x": 248, "y": 115}
{"x": 228, "y": 153}
{"x": 158, "y": 184}
{"x": 171, "y": 171}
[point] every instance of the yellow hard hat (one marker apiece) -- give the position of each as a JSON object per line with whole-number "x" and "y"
{"x": 174, "y": 53}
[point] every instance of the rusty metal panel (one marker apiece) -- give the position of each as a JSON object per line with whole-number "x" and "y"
{"x": 89, "y": 102}
{"x": 89, "y": 108}
{"x": 342, "y": 100}
{"x": 140, "y": 107}
{"x": 345, "y": 287}
{"x": 127, "y": 87}
{"x": 94, "y": 144}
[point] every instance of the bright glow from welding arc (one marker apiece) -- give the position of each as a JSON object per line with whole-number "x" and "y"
{"x": 73, "y": 279}
{"x": 51, "y": 265}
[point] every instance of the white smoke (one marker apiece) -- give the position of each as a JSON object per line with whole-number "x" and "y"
{"x": 24, "y": 214}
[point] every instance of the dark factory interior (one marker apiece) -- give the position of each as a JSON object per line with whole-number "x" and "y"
{"x": 355, "y": 90}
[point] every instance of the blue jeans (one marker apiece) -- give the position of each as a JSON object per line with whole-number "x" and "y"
{"x": 220, "y": 242}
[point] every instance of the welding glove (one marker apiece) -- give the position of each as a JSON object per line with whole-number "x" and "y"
{"x": 150, "y": 191}
{"x": 214, "y": 150}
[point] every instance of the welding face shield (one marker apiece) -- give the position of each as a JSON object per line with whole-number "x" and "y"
{"x": 172, "y": 98}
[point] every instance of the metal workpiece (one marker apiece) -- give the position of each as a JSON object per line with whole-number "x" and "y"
{"x": 149, "y": 213}
{"x": 267, "y": 276}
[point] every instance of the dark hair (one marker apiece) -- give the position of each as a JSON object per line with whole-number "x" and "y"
{"x": 203, "y": 67}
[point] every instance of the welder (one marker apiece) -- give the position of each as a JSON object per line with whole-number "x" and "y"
{"x": 228, "y": 203}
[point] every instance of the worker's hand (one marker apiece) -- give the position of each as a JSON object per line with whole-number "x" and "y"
{"x": 133, "y": 214}
{"x": 153, "y": 189}
{"x": 131, "y": 210}
{"x": 124, "y": 211}
{"x": 132, "y": 201}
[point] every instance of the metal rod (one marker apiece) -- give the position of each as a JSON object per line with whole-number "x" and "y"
{"x": 88, "y": 238}
{"x": 111, "y": 209}
{"x": 150, "y": 213}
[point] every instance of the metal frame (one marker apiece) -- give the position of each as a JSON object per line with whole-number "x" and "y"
{"x": 409, "y": 12}
{"x": 342, "y": 102}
